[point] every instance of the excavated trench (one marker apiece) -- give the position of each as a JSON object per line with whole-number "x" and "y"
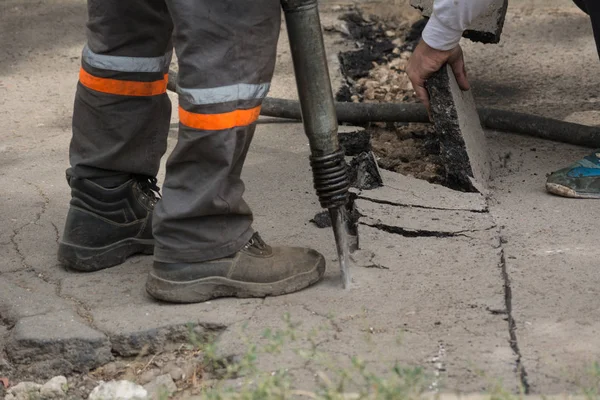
{"x": 375, "y": 73}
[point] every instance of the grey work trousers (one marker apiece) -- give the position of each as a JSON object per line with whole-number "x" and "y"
{"x": 226, "y": 51}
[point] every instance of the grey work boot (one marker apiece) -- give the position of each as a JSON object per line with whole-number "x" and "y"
{"x": 105, "y": 226}
{"x": 257, "y": 270}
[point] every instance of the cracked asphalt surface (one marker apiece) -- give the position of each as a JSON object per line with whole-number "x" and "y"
{"x": 474, "y": 289}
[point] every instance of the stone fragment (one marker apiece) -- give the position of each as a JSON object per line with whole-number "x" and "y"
{"x": 25, "y": 391}
{"x": 54, "y": 388}
{"x": 176, "y": 373}
{"x": 362, "y": 258}
{"x": 118, "y": 390}
{"x": 109, "y": 369}
{"x": 147, "y": 376}
{"x": 5, "y": 366}
{"x": 355, "y": 142}
{"x": 57, "y": 342}
{"x": 190, "y": 368}
{"x": 487, "y": 28}
{"x": 322, "y": 219}
{"x": 364, "y": 173}
{"x": 462, "y": 139}
{"x": 161, "y": 387}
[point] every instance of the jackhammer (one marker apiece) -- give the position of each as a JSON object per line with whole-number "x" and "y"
{"x": 319, "y": 117}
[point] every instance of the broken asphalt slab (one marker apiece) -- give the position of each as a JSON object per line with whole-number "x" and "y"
{"x": 402, "y": 190}
{"x": 56, "y": 343}
{"x": 463, "y": 146}
{"x": 413, "y": 221}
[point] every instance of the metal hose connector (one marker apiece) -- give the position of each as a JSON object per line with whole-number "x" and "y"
{"x": 331, "y": 179}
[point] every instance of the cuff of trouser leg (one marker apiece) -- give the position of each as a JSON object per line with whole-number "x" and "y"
{"x": 165, "y": 255}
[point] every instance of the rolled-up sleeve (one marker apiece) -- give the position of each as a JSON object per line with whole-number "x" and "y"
{"x": 450, "y": 18}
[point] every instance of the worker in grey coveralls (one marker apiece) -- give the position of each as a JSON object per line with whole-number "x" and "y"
{"x": 200, "y": 231}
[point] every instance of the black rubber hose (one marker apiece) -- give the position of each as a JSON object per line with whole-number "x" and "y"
{"x": 540, "y": 127}
{"x": 500, "y": 120}
{"x": 508, "y": 121}
{"x": 353, "y": 113}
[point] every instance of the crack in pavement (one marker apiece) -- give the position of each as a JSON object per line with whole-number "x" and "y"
{"x": 16, "y": 247}
{"x": 414, "y": 233}
{"x": 522, "y": 375}
{"x": 368, "y": 264}
{"x": 397, "y": 204}
{"x": 512, "y": 326}
{"x": 81, "y": 309}
{"x": 374, "y": 266}
{"x": 12, "y": 271}
{"x": 329, "y": 318}
{"x": 56, "y": 232}
{"x": 36, "y": 219}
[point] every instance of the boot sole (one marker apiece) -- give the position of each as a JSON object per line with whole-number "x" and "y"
{"x": 90, "y": 259}
{"x": 205, "y": 289}
{"x": 564, "y": 191}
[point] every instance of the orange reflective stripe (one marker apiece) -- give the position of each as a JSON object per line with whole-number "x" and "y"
{"x": 216, "y": 122}
{"x": 123, "y": 88}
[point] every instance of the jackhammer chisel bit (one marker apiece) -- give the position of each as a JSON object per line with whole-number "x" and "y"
{"x": 318, "y": 115}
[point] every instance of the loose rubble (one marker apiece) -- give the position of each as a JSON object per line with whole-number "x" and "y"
{"x": 55, "y": 388}
{"x": 364, "y": 172}
{"x": 160, "y": 387}
{"x": 118, "y": 390}
{"x": 322, "y": 220}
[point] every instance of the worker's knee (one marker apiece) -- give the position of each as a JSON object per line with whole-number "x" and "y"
{"x": 130, "y": 29}
{"x": 220, "y": 43}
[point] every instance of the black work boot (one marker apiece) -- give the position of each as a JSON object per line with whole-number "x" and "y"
{"x": 105, "y": 226}
{"x": 257, "y": 270}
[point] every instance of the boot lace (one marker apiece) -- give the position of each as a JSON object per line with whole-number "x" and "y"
{"x": 257, "y": 242}
{"x": 148, "y": 186}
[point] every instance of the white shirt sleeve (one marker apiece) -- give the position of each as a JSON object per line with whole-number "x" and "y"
{"x": 449, "y": 19}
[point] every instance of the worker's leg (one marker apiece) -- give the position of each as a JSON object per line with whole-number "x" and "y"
{"x": 582, "y": 179}
{"x": 120, "y": 126}
{"x": 226, "y": 51}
